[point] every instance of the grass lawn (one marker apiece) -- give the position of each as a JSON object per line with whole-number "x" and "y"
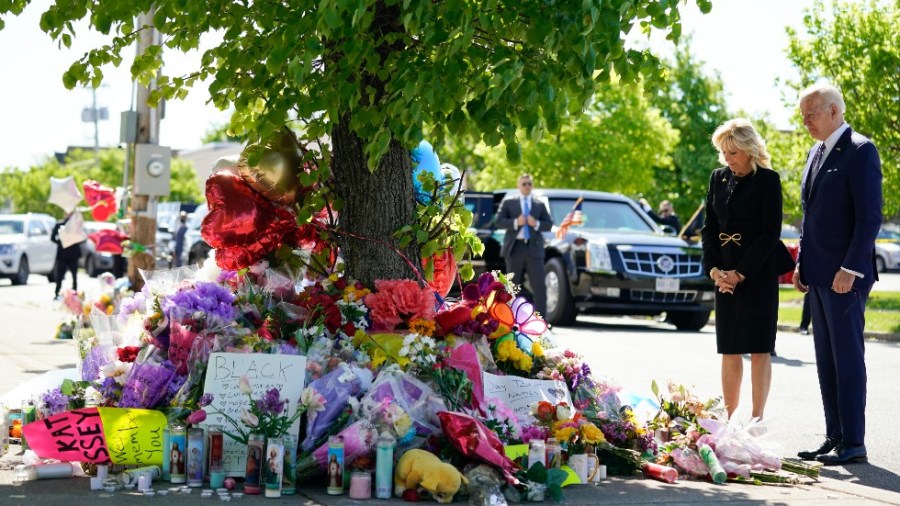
{"x": 882, "y": 310}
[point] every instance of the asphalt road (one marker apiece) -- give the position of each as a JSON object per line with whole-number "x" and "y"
{"x": 632, "y": 352}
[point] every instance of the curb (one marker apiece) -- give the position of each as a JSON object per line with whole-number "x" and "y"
{"x": 887, "y": 337}
{"x": 873, "y": 336}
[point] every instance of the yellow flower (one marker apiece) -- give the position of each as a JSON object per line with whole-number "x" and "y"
{"x": 537, "y": 350}
{"x": 503, "y": 351}
{"x": 564, "y": 434}
{"x": 402, "y": 424}
{"x": 378, "y": 357}
{"x": 525, "y": 363}
{"x": 422, "y": 327}
{"x": 591, "y": 434}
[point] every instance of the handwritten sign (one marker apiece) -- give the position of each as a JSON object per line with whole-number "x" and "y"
{"x": 134, "y": 435}
{"x": 100, "y": 435}
{"x": 520, "y": 394}
{"x": 283, "y": 372}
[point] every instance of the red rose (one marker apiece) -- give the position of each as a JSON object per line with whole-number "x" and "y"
{"x": 128, "y": 353}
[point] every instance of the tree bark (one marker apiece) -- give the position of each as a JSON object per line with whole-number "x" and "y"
{"x": 376, "y": 205}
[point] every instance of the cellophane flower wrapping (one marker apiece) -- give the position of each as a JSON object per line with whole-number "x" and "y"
{"x": 359, "y": 439}
{"x": 147, "y": 384}
{"x": 337, "y": 387}
{"x": 475, "y": 440}
{"x": 402, "y": 405}
{"x": 738, "y": 451}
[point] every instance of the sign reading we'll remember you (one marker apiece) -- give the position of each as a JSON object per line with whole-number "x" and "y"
{"x": 520, "y": 394}
{"x": 100, "y": 435}
{"x": 286, "y": 373}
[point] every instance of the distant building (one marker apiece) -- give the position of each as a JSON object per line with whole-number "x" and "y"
{"x": 206, "y": 156}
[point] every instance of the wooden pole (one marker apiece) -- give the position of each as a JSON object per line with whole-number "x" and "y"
{"x": 143, "y": 207}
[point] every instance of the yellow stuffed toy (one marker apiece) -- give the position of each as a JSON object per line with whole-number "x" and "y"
{"x": 419, "y": 469}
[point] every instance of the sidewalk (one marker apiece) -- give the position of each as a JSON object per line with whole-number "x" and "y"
{"x": 615, "y": 491}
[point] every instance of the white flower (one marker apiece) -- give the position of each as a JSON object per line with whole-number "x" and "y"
{"x": 563, "y": 411}
{"x": 313, "y": 401}
{"x": 117, "y": 370}
{"x": 244, "y": 385}
{"x": 92, "y": 396}
{"x": 249, "y": 419}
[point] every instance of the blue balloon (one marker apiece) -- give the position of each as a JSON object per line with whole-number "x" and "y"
{"x": 425, "y": 160}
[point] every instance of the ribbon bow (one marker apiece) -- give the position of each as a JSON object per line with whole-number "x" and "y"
{"x": 725, "y": 238}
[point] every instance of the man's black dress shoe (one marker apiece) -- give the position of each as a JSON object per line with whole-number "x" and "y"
{"x": 826, "y": 447}
{"x": 844, "y": 454}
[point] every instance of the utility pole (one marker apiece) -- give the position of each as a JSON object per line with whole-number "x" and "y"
{"x": 143, "y": 207}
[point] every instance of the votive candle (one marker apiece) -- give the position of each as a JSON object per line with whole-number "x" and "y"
{"x": 361, "y": 485}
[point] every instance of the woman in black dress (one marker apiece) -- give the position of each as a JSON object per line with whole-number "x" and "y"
{"x": 740, "y": 234}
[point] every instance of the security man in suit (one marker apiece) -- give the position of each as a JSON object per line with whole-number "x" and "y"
{"x": 841, "y": 197}
{"x": 524, "y": 218}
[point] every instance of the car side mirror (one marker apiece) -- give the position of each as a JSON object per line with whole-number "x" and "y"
{"x": 668, "y": 230}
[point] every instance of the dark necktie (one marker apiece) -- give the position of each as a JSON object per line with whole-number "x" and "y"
{"x": 816, "y": 164}
{"x": 526, "y": 210}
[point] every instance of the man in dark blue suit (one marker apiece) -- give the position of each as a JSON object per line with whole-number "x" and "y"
{"x": 524, "y": 218}
{"x": 841, "y": 196}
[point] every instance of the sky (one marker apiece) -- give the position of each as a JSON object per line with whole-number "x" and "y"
{"x": 742, "y": 40}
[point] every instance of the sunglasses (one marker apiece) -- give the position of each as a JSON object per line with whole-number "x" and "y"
{"x": 525, "y": 183}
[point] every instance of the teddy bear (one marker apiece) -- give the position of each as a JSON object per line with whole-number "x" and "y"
{"x": 419, "y": 469}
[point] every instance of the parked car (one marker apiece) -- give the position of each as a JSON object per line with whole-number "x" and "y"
{"x": 619, "y": 261}
{"x": 25, "y": 246}
{"x": 195, "y": 248}
{"x": 887, "y": 251}
{"x": 96, "y": 262}
{"x": 790, "y": 236}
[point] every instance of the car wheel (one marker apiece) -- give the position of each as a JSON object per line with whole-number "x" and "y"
{"x": 688, "y": 320}
{"x": 21, "y": 277}
{"x": 560, "y": 304}
{"x": 880, "y": 264}
{"x": 89, "y": 266}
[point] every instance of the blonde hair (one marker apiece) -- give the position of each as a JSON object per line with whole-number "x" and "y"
{"x": 825, "y": 92}
{"x": 739, "y": 134}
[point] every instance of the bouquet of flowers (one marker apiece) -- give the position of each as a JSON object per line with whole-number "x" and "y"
{"x": 681, "y": 409}
{"x": 269, "y": 415}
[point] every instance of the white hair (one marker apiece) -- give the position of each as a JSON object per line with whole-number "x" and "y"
{"x": 827, "y": 93}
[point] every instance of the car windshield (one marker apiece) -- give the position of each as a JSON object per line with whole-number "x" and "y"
{"x": 601, "y": 214}
{"x": 887, "y": 234}
{"x": 12, "y": 227}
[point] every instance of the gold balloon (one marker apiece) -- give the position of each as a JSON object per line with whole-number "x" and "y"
{"x": 276, "y": 174}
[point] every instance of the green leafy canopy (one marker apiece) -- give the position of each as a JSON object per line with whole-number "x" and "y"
{"x": 856, "y": 46}
{"x": 485, "y": 68}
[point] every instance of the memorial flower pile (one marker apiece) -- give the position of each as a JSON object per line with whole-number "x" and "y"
{"x": 466, "y": 376}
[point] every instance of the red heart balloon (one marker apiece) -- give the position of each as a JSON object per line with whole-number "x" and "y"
{"x": 101, "y": 198}
{"x": 444, "y": 272}
{"x": 242, "y": 225}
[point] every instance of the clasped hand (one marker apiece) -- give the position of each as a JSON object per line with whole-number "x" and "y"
{"x": 526, "y": 219}
{"x": 726, "y": 280}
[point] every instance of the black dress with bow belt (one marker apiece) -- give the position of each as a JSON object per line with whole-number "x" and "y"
{"x": 741, "y": 230}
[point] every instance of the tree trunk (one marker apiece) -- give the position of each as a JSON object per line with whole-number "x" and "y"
{"x": 376, "y": 205}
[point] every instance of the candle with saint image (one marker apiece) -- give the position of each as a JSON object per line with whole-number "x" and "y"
{"x": 661, "y": 473}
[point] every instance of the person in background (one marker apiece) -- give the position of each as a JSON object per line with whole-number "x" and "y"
{"x": 666, "y": 215}
{"x": 66, "y": 258}
{"x": 841, "y": 195}
{"x": 805, "y": 317}
{"x": 524, "y": 218}
{"x": 740, "y": 234}
{"x": 179, "y": 238}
